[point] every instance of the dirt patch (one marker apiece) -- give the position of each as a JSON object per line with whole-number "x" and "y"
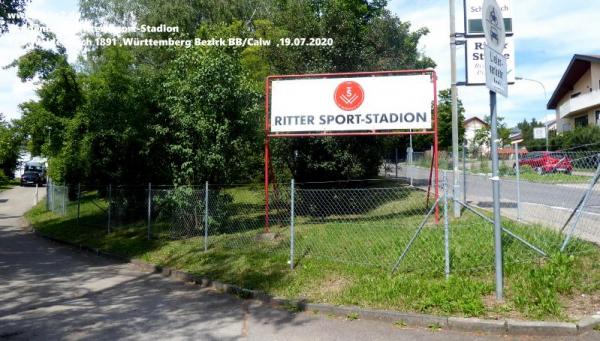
{"x": 497, "y": 311}
{"x": 332, "y": 285}
{"x": 581, "y": 305}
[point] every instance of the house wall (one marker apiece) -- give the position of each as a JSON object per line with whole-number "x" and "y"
{"x": 595, "y": 76}
{"x": 583, "y": 85}
{"x": 590, "y": 81}
{"x": 570, "y": 121}
{"x": 470, "y": 130}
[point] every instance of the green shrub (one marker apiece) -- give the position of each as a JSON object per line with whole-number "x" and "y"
{"x": 505, "y": 169}
{"x": 582, "y": 136}
{"x": 3, "y": 178}
{"x": 526, "y": 169}
{"x": 484, "y": 167}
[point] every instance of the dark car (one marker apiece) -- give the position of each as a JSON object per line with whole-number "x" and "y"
{"x": 548, "y": 162}
{"x": 31, "y": 179}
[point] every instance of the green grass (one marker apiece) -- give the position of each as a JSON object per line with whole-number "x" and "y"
{"x": 551, "y": 178}
{"x": 8, "y": 185}
{"x": 346, "y": 258}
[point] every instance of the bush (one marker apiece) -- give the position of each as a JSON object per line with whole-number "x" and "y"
{"x": 526, "y": 169}
{"x": 505, "y": 169}
{"x": 3, "y": 178}
{"x": 484, "y": 166}
{"x": 589, "y": 137}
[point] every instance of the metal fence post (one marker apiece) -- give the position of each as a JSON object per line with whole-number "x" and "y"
{"x": 109, "y": 205}
{"x": 518, "y": 170}
{"x": 446, "y": 227}
{"x": 78, "y": 202}
{"x": 411, "y": 156}
{"x": 47, "y": 194}
{"x": 64, "y": 198}
{"x": 396, "y": 162}
{"x": 206, "y": 216}
{"x": 464, "y": 187}
{"x": 292, "y": 213}
{"x": 149, "y": 211}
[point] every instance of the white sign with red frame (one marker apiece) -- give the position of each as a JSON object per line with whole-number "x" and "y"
{"x": 369, "y": 103}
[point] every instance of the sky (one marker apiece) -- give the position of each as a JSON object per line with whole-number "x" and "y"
{"x": 547, "y": 35}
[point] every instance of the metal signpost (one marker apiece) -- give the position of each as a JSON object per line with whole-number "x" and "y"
{"x": 475, "y": 42}
{"x": 475, "y": 45}
{"x": 496, "y": 81}
{"x": 518, "y": 173}
{"x": 454, "y": 95}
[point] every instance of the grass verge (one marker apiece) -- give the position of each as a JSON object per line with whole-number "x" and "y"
{"x": 347, "y": 259}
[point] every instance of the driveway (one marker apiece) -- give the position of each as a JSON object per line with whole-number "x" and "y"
{"x": 52, "y": 292}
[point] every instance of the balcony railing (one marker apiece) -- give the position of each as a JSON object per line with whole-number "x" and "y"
{"x": 581, "y": 102}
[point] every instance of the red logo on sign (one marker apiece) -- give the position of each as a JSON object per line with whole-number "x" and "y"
{"x": 349, "y": 96}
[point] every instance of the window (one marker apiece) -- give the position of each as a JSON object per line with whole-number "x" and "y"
{"x": 581, "y": 121}
{"x": 598, "y": 117}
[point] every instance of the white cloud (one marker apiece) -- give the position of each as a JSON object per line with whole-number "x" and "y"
{"x": 547, "y": 34}
{"x": 64, "y": 22}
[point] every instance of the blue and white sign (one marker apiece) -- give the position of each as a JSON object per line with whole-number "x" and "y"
{"x": 493, "y": 25}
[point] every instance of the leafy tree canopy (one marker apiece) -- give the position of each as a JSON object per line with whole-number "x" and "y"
{"x": 12, "y": 12}
{"x": 176, "y": 115}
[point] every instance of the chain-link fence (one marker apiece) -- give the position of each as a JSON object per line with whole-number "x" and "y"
{"x": 386, "y": 223}
{"x": 543, "y": 196}
{"x": 57, "y": 198}
{"x": 363, "y": 223}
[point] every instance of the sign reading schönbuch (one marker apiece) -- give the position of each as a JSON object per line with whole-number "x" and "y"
{"x": 351, "y": 104}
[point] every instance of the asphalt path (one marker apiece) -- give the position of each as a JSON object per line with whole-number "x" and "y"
{"x": 479, "y": 187}
{"x": 53, "y": 292}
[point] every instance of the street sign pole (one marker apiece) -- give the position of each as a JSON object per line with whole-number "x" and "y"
{"x": 496, "y": 195}
{"x": 453, "y": 90}
{"x": 496, "y": 81}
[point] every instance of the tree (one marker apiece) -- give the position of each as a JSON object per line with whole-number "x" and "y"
{"x": 481, "y": 138}
{"x": 445, "y": 120}
{"x": 367, "y": 37}
{"x": 169, "y": 115}
{"x": 10, "y": 148}
{"x": 12, "y": 12}
{"x": 526, "y": 129}
{"x": 215, "y": 136}
{"x": 503, "y": 130}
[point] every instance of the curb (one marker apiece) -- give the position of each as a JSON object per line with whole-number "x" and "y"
{"x": 497, "y": 327}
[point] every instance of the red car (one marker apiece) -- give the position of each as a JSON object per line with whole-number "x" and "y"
{"x": 548, "y": 162}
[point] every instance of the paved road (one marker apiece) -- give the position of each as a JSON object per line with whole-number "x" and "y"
{"x": 546, "y": 204}
{"x": 51, "y": 292}
{"x": 479, "y": 186}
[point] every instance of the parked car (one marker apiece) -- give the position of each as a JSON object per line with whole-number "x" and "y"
{"x": 547, "y": 162}
{"x": 31, "y": 179}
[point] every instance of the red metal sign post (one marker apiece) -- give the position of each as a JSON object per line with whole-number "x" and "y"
{"x": 269, "y": 134}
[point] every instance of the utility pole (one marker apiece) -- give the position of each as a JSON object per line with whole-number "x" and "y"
{"x": 453, "y": 90}
{"x": 546, "y": 99}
